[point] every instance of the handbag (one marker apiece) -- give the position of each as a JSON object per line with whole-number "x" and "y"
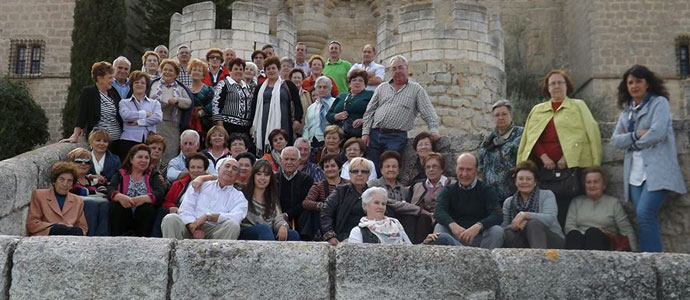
{"x": 562, "y": 182}
{"x": 347, "y": 124}
{"x": 618, "y": 242}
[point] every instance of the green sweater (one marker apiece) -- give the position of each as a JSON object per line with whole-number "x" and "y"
{"x": 355, "y": 106}
{"x": 467, "y": 207}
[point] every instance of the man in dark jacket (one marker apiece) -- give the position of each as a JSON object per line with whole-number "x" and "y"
{"x": 468, "y": 211}
{"x": 294, "y": 185}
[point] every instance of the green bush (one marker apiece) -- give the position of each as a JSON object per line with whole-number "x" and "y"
{"x": 23, "y": 124}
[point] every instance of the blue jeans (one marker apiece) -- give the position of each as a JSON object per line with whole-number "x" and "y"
{"x": 263, "y": 232}
{"x": 647, "y": 205}
{"x": 380, "y": 142}
{"x": 97, "y": 214}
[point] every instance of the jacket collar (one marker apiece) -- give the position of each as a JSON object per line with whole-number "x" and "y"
{"x": 52, "y": 201}
{"x": 566, "y": 103}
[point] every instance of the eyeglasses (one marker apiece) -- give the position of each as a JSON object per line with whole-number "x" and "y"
{"x": 357, "y": 172}
{"x": 83, "y": 161}
{"x": 214, "y": 57}
{"x": 557, "y": 83}
{"x": 356, "y": 79}
{"x": 432, "y": 167}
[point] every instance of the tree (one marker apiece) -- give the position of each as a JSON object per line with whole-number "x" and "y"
{"x": 24, "y": 124}
{"x": 99, "y": 35}
{"x": 155, "y": 29}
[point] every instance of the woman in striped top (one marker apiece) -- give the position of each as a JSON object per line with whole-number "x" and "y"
{"x": 232, "y": 102}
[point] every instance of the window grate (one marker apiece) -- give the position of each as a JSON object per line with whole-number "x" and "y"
{"x": 26, "y": 58}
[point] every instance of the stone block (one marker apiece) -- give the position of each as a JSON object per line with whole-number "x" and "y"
{"x": 7, "y": 244}
{"x": 204, "y": 15}
{"x": 201, "y": 45}
{"x": 262, "y": 28}
{"x": 563, "y": 274}
{"x": 672, "y": 271}
{"x": 90, "y": 268}
{"x": 208, "y": 34}
{"x": 15, "y": 222}
{"x": 250, "y": 270}
{"x": 413, "y": 272}
{"x": 206, "y": 24}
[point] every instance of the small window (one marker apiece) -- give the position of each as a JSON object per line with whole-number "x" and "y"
{"x": 684, "y": 60}
{"x": 26, "y": 58}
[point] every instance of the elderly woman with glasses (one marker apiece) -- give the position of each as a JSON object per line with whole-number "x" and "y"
{"x": 375, "y": 227}
{"x": 498, "y": 151}
{"x": 315, "y": 119}
{"x": 343, "y": 209}
{"x": 562, "y": 136}
{"x": 96, "y": 206}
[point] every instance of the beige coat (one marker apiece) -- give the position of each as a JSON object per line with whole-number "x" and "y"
{"x": 44, "y": 211}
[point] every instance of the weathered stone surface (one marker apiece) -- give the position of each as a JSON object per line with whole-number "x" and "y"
{"x": 14, "y": 223}
{"x": 250, "y": 270}
{"x": 7, "y": 244}
{"x": 673, "y": 271}
{"x": 414, "y": 272}
{"x": 562, "y": 274}
{"x": 90, "y": 268}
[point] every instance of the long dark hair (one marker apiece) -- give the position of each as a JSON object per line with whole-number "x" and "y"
{"x": 656, "y": 84}
{"x": 271, "y": 193}
{"x": 127, "y": 163}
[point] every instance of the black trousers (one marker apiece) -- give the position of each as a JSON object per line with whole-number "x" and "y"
{"x": 59, "y": 229}
{"x": 124, "y": 221}
{"x": 592, "y": 239}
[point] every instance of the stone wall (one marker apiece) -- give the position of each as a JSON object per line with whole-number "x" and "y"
{"x": 195, "y": 27}
{"x": 101, "y": 268}
{"x": 51, "y": 22}
{"x": 455, "y": 51}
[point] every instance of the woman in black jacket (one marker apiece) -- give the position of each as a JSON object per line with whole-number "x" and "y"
{"x": 343, "y": 208}
{"x": 98, "y": 107}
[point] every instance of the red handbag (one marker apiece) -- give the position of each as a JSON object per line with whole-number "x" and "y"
{"x": 618, "y": 242}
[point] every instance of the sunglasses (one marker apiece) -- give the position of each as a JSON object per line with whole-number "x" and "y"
{"x": 214, "y": 57}
{"x": 357, "y": 172}
{"x": 83, "y": 161}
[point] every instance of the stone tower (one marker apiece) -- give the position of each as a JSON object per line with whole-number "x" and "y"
{"x": 454, "y": 48}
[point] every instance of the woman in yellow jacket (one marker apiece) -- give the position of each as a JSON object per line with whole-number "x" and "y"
{"x": 561, "y": 135}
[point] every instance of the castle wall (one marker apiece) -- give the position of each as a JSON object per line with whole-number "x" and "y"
{"x": 195, "y": 28}
{"x": 455, "y": 51}
{"x": 51, "y": 22}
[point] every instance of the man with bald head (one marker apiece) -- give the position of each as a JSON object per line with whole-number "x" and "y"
{"x": 213, "y": 212}
{"x": 375, "y": 71}
{"x": 228, "y": 55}
{"x": 468, "y": 211}
{"x": 294, "y": 185}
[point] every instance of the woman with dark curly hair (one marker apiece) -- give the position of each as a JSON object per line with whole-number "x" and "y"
{"x": 413, "y": 170}
{"x": 348, "y": 109}
{"x": 645, "y": 131}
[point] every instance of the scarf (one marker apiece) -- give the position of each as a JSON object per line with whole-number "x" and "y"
{"x": 274, "y": 114}
{"x": 175, "y": 93}
{"x": 388, "y": 230}
{"x": 323, "y": 109}
{"x": 633, "y": 111}
{"x": 495, "y": 139}
{"x": 517, "y": 205}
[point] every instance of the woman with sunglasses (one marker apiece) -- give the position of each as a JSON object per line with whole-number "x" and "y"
{"x": 91, "y": 189}
{"x": 216, "y": 72}
{"x": 343, "y": 208}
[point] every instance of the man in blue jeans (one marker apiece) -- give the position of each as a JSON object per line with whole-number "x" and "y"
{"x": 392, "y": 110}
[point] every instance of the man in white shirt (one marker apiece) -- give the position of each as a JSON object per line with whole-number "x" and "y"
{"x": 213, "y": 212}
{"x": 376, "y": 72}
{"x": 301, "y": 58}
{"x": 189, "y": 143}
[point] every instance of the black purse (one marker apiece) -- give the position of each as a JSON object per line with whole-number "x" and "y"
{"x": 347, "y": 124}
{"x": 564, "y": 183}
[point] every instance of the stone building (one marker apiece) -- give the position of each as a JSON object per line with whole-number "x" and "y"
{"x": 35, "y": 43}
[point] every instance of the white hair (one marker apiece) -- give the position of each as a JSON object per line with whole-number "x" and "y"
{"x": 121, "y": 58}
{"x": 302, "y": 140}
{"x": 223, "y": 161}
{"x": 398, "y": 57}
{"x": 190, "y": 132}
{"x": 158, "y": 47}
{"x": 282, "y": 153}
{"x": 326, "y": 80}
{"x": 287, "y": 59}
{"x": 370, "y": 192}
{"x": 253, "y": 66}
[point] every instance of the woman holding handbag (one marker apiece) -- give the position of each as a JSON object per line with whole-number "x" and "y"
{"x": 562, "y": 136}
{"x": 597, "y": 221}
{"x": 348, "y": 109}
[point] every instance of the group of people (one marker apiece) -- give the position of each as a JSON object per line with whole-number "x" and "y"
{"x": 283, "y": 149}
